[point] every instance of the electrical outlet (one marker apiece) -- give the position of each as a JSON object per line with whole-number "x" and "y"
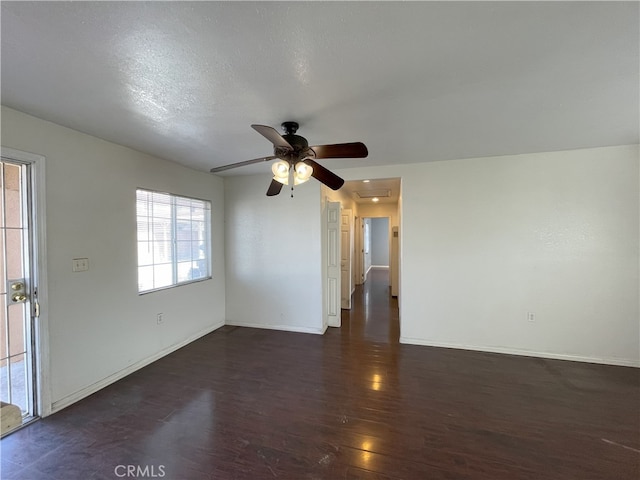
{"x": 160, "y": 318}
{"x": 80, "y": 264}
{"x": 531, "y": 316}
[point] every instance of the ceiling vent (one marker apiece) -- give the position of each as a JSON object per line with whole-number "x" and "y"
{"x": 382, "y": 193}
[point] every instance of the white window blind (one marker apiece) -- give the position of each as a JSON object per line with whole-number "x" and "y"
{"x": 174, "y": 240}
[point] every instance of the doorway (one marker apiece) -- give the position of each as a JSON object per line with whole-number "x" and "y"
{"x": 378, "y": 251}
{"x": 19, "y": 290}
{"x": 360, "y": 202}
{"x": 374, "y": 315}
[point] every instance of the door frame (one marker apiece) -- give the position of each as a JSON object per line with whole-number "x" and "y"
{"x": 346, "y": 288}
{"x": 358, "y": 250}
{"x": 37, "y": 186}
{"x": 360, "y": 245}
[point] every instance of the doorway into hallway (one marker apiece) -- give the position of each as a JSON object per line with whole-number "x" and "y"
{"x": 374, "y": 312}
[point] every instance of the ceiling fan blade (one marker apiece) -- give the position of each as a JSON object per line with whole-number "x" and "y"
{"x": 242, "y": 164}
{"x": 272, "y": 135}
{"x": 341, "y": 150}
{"x": 274, "y": 188}
{"x": 330, "y": 179}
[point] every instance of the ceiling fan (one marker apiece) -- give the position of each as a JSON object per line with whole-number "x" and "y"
{"x": 297, "y": 160}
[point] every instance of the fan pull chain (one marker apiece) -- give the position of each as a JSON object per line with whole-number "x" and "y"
{"x": 291, "y": 191}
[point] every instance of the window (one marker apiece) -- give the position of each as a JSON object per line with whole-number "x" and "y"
{"x": 174, "y": 240}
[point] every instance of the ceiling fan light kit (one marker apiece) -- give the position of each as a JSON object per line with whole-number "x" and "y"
{"x": 302, "y": 173}
{"x": 280, "y": 171}
{"x": 295, "y": 158}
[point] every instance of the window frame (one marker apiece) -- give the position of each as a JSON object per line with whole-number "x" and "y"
{"x": 174, "y": 240}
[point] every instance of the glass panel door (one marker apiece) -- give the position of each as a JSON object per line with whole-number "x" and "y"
{"x": 16, "y": 326}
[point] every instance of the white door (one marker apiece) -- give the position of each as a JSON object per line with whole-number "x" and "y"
{"x": 18, "y": 288}
{"x": 332, "y": 220}
{"x": 346, "y": 247}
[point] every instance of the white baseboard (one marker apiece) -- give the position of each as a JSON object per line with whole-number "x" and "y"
{"x": 283, "y": 328}
{"x": 374, "y": 267}
{"x": 93, "y": 388}
{"x": 622, "y": 362}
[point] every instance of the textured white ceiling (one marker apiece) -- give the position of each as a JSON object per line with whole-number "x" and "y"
{"x": 415, "y": 81}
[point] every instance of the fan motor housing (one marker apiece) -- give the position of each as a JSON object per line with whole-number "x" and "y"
{"x": 296, "y": 141}
{"x": 299, "y": 144}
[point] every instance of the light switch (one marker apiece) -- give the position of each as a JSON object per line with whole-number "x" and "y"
{"x": 80, "y": 264}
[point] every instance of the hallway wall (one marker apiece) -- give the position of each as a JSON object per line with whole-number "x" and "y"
{"x": 380, "y": 241}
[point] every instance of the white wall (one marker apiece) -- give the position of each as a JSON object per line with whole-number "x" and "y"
{"x": 484, "y": 241}
{"x": 100, "y": 328}
{"x": 273, "y": 255}
{"x": 338, "y": 196}
{"x": 378, "y": 210}
{"x": 380, "y": 242}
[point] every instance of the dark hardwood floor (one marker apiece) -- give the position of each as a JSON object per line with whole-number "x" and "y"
{"x": 244, "y": 403}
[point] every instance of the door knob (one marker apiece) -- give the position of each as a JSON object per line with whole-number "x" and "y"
{"x": 18, "y": 297}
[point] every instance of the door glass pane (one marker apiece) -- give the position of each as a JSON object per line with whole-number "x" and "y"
{"x": 17, "y": 374}
{"x": 3, "y": 283}
{"x": 14, "y": 254}
{"x": 1, "y": 194}
{"x": 16, "y": 328}
{"x": 4, "y": 381}
{"x": 3, "y": 328}
{"x": 12, "y": 196}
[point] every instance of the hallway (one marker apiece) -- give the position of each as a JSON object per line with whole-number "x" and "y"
{"x": 374, "y": 312}
{"x": 243, "y": 403}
